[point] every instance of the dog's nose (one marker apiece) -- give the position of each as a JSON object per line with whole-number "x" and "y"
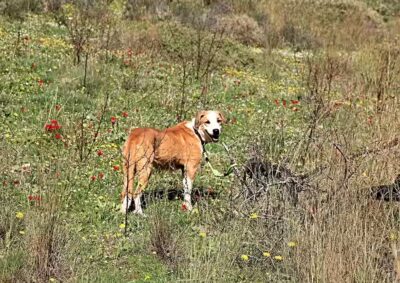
{"x": 216, "y": 132}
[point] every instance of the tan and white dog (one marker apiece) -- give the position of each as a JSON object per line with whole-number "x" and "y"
{"x": 178, "y": 147}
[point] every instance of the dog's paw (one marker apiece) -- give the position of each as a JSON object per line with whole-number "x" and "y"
{"x": 186, "y": 206}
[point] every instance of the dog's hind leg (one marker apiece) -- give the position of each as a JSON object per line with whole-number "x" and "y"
{"x": 144, "y": 171}
{"x": 127, "y": 192}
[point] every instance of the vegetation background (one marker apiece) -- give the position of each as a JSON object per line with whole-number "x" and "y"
{"x": 311, "y": 92}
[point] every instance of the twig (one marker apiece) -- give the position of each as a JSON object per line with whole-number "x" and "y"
{"x": 83, "y": 112}
{"x": 99, "y": 124}
{"x": 393, "y": 143}
{"x": 126, "y": 194}
{"x": 346, "y": 169}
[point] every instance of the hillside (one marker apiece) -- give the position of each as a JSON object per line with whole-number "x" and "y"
{"x": 310, "y": 90}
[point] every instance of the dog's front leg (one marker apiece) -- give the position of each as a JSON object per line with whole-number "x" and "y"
{"x": 138, "y": 204}
{"x": 187, "y": 190}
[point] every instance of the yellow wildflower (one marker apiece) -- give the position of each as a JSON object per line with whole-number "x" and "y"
{"x": 266, "y": 254}
{"x": 278, "y": 257}
{"x": 19, "y": 215}
{"x": 122, "y": 226}
{"x": 393, "y": 236}
{"x": 244, "y": 257}
{"x": 253, "y": 216}
{"x": 202, "y": 234}
{"x": 292, "y": 244}
{"x": 22, "y": 232}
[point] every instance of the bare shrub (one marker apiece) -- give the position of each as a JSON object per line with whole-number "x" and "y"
{"x": 321, "y": 80}
{"x": 140, "y": 9}
{"x": 164, "y": 241}
{"x": 298, "y": 38}
{"x": 53, "y": 6}
{"x": 17, "y": 9}
{"x": 378, "y": 69}
{"x": 47, "y": 243}
{"x": 242, "y": 28}
{"x": 89, "y": 24}
{"x": 147, "y": 40}
{"x": 261, "y": 175}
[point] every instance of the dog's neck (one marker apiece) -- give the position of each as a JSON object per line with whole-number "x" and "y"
{"x": 196, "y": 131}
{"x": 192, "y": 125}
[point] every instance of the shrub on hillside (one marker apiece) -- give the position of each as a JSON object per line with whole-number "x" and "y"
{"x": 17, "y": 9}
{"x": 242, "y": 28}
{"x": 138, "y": 9}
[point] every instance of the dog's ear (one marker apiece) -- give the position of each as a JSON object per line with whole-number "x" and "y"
{"x": 221, "y": 116}
{"x": 199, "y": 115}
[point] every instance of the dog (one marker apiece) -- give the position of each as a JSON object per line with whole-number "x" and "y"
{"x": 177, "y": 147}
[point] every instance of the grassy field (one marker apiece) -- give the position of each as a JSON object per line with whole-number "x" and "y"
{"x": 312, "y": 87}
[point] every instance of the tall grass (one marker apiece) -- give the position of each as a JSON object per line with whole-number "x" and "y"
{"x": 310, "y": 88}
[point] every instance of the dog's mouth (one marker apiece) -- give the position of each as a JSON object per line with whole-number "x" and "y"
{"x": 213, "y": 137}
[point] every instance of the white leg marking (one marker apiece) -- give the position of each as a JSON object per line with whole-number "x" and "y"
{"x": 138, "y": 205}
{"x": 126, "y": 204}
{"x": 187, "y": 189}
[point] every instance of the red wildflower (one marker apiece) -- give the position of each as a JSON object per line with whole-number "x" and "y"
{"x": 40, "y": 82}
{"x": 100, "y": 152}
{"x": 93, "y": 178}
{"x": 53, "y": 126}
{"x": 184, "y": 207}
{"x": 58, "y": 107}
{"x": 115, "y": 167}
{"x": 295, "y": 109}
{"x": 34, "y": 198}
{"x": 277, "y": 102}
{"x": 295, "y": 101}
{"x": 125, "y": 114}
{"x": 113, "y": 120}
{"x": 101, "y": 176}
{"x": 58, "y": 136}
{"x": 284, "y": 102}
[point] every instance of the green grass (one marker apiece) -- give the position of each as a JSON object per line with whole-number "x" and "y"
{"x": 74, "y": 233}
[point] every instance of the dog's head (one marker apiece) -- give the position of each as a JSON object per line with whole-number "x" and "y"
{"x": 209, "y": 123}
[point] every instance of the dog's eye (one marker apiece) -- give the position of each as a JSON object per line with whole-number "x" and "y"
{"x": 219, "y": 121}
{"x": 207, "y": 122}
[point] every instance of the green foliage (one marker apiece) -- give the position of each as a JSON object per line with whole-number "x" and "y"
{"x": 59, "y": 217}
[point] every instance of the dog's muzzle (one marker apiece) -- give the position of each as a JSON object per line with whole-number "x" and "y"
{"x": 215, "y": 135}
